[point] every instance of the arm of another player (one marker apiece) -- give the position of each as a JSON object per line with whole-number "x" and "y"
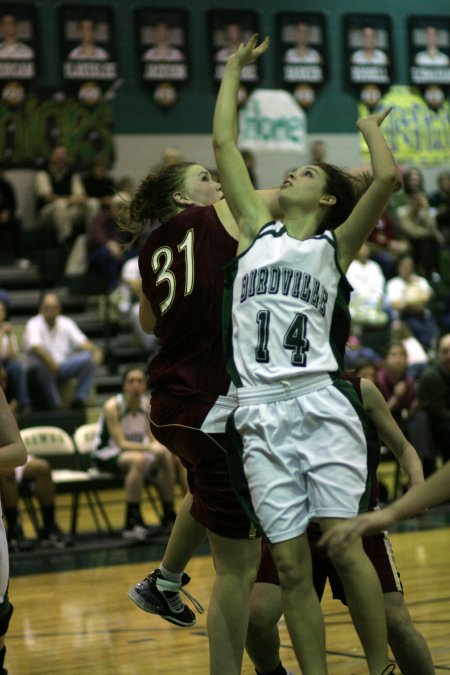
{"x": 390, "y": 432}
{"x": 434, "y": 491}
{"x": 249, "y": 211}
{"x": 12, "y": 449}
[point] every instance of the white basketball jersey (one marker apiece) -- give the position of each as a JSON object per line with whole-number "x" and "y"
{"x": 134, "y": 428}
{"x": 286, "y": 302}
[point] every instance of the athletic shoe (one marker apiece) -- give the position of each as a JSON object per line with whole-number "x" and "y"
{"x": 135, "y": 533}
{"x": 389, "y": 669}
{"x": 53, "y": 537}
{"x": 156, "y": 595}
{"x": 17, "y": 543}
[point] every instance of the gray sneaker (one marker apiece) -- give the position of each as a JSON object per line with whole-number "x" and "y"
{"x": 135, "y": 533}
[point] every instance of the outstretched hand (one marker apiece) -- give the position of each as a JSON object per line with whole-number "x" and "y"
{"x": 250, "y": 51}
{"x": 377, "y": 118}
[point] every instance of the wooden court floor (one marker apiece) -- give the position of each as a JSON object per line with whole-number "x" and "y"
{"x": 82, "y": 622}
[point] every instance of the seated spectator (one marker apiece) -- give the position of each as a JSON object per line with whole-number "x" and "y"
{"x": 17, "y": 384}
{"x": 61, "y": 199}
{"x": 409, "y": 295}
{"x": 433, "y": 414}
{"x": 106, "y": 241}
{"x": 367, "y": 300}
{"x": 397, "y": 387}
{"x": 10, "y": 224}
{"x": 130, "y": 289}
{"x": 365, "y": 368}
{"x": 125, "y": 446}
{"x": 417, "y": 358}
{"x": 416, "y": 222}
{"x": 57, "y": 351}
{"x": 356, "y": 350}
{"x": 98, "y": 184}
{"x": 440, "y": 202}
{"x": 385, "y": 247}
{"x": 37, "y": 475}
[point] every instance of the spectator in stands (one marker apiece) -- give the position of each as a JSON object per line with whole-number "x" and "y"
{"x": 367, "y": 301}
{"x": 10, "y": 224}
{"x": 57, "y": 351}
{"x": 440, "y": 202}
{"x": 416, "y": 355}
{"x": 366, "y": 368}
{"x": 125, "y": 445}
{"x": 409, "y": 295}
{"x": 385, "y": 246}
{"x": 417, "y": 224}
{"x": 37, "y": 476}
{"x": 61, "y": 198}
{"x": 98, "y": 184}
{"x": 169, "y": 156}
{"x": 130, "y": 290}
{"x": 17, "y": 384}
{"x": 397, "y": 387}
{"x": 318, "y": 152}
{"x": 433, "y": 414}
{"x": 106, "y": 241}
{"x": 355, "y": 350}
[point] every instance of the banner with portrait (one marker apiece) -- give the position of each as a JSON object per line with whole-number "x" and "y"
{"x": 369, "y": 55}
{"x": 88, "y": 52}
{"x": 227, "y": 29}
{"x": 302, "y": 54}
{"x": 18, "y": 68}
{"x": 162, "y": 42}
{"x": 429, "y": 40}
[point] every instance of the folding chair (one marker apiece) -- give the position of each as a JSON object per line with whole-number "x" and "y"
{"x": 84, "y": 439}
{"x": 57, "y": 447}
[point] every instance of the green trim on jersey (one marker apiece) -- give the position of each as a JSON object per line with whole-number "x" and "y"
{"x": 340, "y": 320}
{"x": 237, "y": 475}
{"x": 230, "y": 273}
{"x": 371, "y": 436}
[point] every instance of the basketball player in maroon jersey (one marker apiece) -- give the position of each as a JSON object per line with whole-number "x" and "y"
{"x": 182, "y": 284}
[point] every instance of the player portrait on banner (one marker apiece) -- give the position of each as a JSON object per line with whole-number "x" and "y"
{"x": 88, "y": 51}
{"x": 162, "y": 51}
{"x": 18, "y": 40}
{"x": 429, "y": 39}
{"x": 227, "y": 30}
{"x": 301, "y": 40}
{"x": 369, "y": 55}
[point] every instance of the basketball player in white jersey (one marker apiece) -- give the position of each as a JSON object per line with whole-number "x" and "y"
{"x": 12, "y": 454}
{"x": 304, "y": 449}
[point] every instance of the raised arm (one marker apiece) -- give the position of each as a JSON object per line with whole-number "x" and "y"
{"x": 248, "y": 209}
{"x": 390, "y": 432}
{"x": 354, "y": 231}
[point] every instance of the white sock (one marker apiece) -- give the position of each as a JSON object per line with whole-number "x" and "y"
{"x": 170, "y": 576}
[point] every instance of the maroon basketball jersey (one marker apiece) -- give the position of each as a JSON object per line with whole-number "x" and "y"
{"x": 181, "y": 266}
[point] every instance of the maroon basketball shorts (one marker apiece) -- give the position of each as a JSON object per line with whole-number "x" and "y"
{"x": 175, "y": 422}
{"x": 378, "y": 549}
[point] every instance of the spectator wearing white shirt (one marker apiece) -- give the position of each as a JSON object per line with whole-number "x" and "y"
{"x": 57, "y": 351}
{"x": 130, "y": 290}
{"x": 367, "y": 300}
{"x": 409, "y": 295}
